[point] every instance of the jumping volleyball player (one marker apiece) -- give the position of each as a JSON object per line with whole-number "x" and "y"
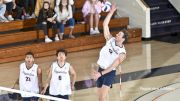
{"x": 110, "y": 57}
{"x": 30, "y": 78}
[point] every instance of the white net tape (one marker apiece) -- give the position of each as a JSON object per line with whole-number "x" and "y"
{"x": 8, "y": 92}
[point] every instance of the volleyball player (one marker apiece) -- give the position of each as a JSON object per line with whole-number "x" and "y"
{"x": 59, "y": 81}
{"x": 30, "y": 78}
{"x": 111, "y": 55}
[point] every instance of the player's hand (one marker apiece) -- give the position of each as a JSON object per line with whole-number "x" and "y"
{"x": 72, "y": 87}
{"x": 96, "y": 75}
{"x": 43, "y": 91}
{"x": 13, "y": 87}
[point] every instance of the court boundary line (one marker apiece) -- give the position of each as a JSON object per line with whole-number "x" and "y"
{"x": 155, "y": 90}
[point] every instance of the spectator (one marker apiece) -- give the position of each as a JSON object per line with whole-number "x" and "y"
{"x": 10, "y": 5}
{"x": 2, "y": 12}
{"x": 64, "y": 15}
{"x": 45, "y": 21}
{"x": 39, "y": 5}
{"x": 91, "y": 12}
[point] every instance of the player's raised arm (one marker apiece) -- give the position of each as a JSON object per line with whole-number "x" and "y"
{"x": 107, "y": 34}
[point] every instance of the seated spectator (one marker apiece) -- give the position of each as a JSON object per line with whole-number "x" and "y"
{"x": 45, "y": 21}
{"x": 64, "y": 15}
{"x": 39, "y": 5}
{"x": 2, "y": 12}
{"x": 91, "y": 12}
{"x": 12, "y": 7}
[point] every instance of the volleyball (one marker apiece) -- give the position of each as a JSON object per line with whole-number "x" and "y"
{"x": 106, "y": 7}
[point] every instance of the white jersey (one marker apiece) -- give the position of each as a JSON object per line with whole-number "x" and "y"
{"x": 7, "y": 1}
{"x": 28, "y": 79}
{"x": 60, "y": 80}
{"x": 109, "y": 53}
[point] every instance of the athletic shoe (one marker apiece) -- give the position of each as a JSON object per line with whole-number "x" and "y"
{"x": 71, "y": 36}
{"x": 27, "y": 16}
{"x": 56, "y": 38}
{"x": 10, "y": 18}
{"x": 48, "y": 40}
{"x": 92, "y": 32}
{"x": 33, "y": 16}
{"x": 61, "y": 36}
{"x": 3, "y": 19}
{"x": 97, "y": 31}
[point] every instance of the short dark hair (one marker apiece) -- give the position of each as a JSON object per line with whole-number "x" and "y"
{"x": 46, "y": 2}
{"x": 61, "y": 50}
{"x": 30, "y": 53}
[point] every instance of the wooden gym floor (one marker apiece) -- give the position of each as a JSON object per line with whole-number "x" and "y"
{"x": 149, "y": 66}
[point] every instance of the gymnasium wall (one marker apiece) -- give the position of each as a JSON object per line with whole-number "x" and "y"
{"x": 176, "y": 4}
{"x": 138, "y": 13}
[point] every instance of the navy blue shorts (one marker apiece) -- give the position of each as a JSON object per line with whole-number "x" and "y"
{"x": 29, "y": 98}
{"x": 60, "y": 96}
{"x": 107, "y": 79}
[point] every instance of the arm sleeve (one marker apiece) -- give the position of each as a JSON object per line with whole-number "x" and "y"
{"x": 56, "y": 10}
{"x": 70, "y": 12}
{"x": 40, "y": 17}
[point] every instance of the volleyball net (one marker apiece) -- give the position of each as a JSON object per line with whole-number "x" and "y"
{"x": 8, "y": 94}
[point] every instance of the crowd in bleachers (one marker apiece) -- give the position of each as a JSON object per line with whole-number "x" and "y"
{"x": 16, "y": 10}
{"x": 52, "y": 14}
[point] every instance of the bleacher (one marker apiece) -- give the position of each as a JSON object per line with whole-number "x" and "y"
{"x": 19, "y": 37}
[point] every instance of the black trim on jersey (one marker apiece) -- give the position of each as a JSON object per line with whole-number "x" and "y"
{"x": 119, "y": 46}
{"x": 61, "y": 66}
{"x": 29, "y": 68}
{"x": 122, "y": 53}
{"x": 113, "y": 48}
